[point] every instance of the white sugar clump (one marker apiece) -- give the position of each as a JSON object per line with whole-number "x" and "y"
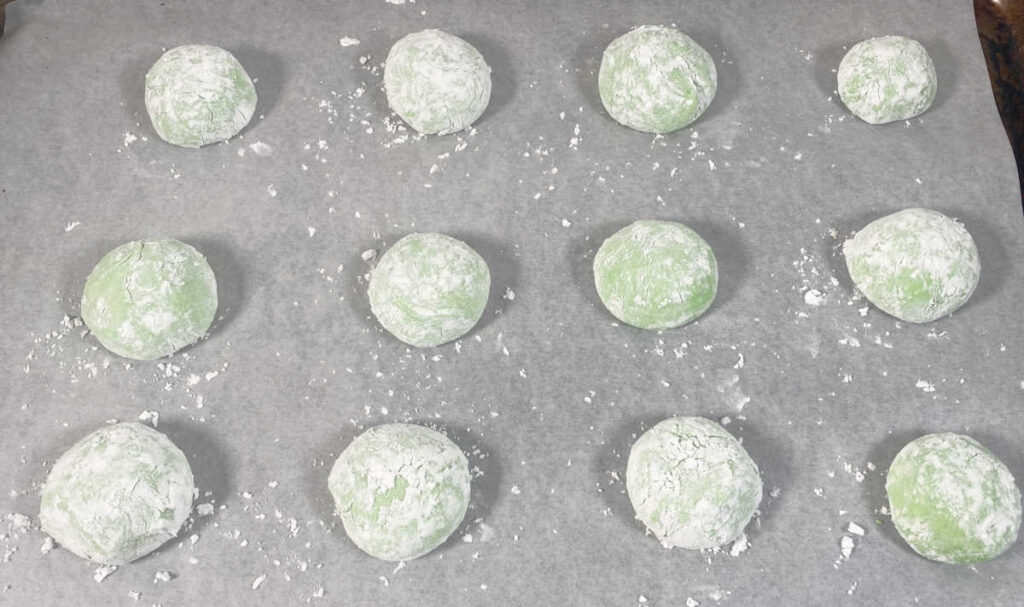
{"x": 887, "y": 79}
{"x": 692, "y": 483}
{"x": 401, "y": 490}
{"x": 199, "y": 94}
{"x": 118, "y": 494}
{"x": 437, "y": 82}
{"x": 917, "y": 264}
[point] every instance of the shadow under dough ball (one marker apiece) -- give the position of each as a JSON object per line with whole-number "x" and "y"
{"x": 401, "y": 490}
{"x": 437, "y": 82}
{"x": 118, "y": 494}
{"x": 692, "y": 483}
{"x": 199, "y": 94}
{"x": 952, "y": 500}
{"x": 916, "y": 264}
{"x": 429, "y": 289}
{"x": 656, "y": 274}
{"x": 148, "y": 299}
{"x": 656, "y": 79}
{"x": 887, "y": 79}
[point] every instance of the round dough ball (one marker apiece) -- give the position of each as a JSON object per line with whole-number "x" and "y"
{"x": 916, "y": 264}
{"x": 198, "y": 94}
{"x": 656, "y": 79}
{"x": 656, "y": 274}
{"x": 952, "y": 500}
{"x": 400, "y": 490}
{"x": 886, "y": 79}
{"x": 429, "y": 289}
{"x": 150, "y": 298}
{"x": 118, "y": 494}
{"x": 692, "y": 484}
{"x": 437, "y": 82}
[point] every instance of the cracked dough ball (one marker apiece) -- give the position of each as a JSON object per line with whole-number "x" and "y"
{"x": 656, "y": 274}
{"x": 887, "y": 79}
{"x": 429, "y": 289}
{"x": 400, "y": 490}
{"x": 148, "y": 299}
{"x": 952, "y": 500}
{"x": 436, "y": 82}
{"x": 198, "y": 94}
{"x": 916, "y": 264}
{"x": 118, "y": 494}
{"x": 656, "y": 79}
{"x": 692, "y": 484}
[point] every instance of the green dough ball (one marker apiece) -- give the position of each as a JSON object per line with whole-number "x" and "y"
{"x": 118, "y": 494}
{"x": 952, "y": 500}
{"x": 437, "y": 82}
{"x": 400, "y": 490}
{"x": 692, "y": 484}
{"x": 198, "y": 94}
{"x": 148, "y": 299}
{"x": 916, "y": 264}
{"x": 886, "y": 79}
{"x": 656, "y": 79}
{"x": 656, "y": 274}
{"x": 429, "y": 289}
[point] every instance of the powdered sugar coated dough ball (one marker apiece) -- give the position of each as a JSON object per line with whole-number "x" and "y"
{"x": 118, "y": 494}
{"x": 656, "y": 274}
{"x": 148, "y": 299}
{"x": 692, "y": 484}
{"x": 437, "y": 82}
{"x": 886, "y": 79}
{"x": 199, "y": 94}
{"x": 400, "y": 490}
{"x": 429, "y": 289}
{"x": 656, "y": 79}
{"x": 952, "y": 500}
{"x": 916, "y": 264}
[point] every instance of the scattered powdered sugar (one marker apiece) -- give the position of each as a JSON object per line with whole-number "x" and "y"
{"x": 261, "y": 149}
{"x": 103, "y": 572}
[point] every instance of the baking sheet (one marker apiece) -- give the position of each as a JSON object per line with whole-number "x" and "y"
{"x": 547, "y": 394}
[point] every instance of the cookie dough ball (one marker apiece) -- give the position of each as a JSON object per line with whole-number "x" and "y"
{"x": 400, "y": 490}
{"x": 656, "y": 79}
{"x": 656, "y": 274}
{"x": 429, "y": 289}
{"x": 118, "y": 494}
{"x": 437, "y": 82}
{"x": 198, "y": 94}
{"x": 952, "y": 500}
{"x": 150, "y": 298}
{"x": 916, "y": 264}
{"x": 692, "y": 484}
{"x": 886, "y": 79}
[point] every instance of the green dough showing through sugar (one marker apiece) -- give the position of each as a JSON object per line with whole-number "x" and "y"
{"x": 692, "y": 483}
{"x": 148, "y": 299}
{"x": 656, "y": 274}
{"x": 952, "y": 500}
{"x": 656, "y": 79}
{"x": 199, "y": 94}
{"x": 887, "y": 79}
{"x": 916, "y": 264}
{"x": 429, "y": 289}
{"x": 437, "y": 82}
{"x": 400, "y": 490}
{"x": 118, "y": 494}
